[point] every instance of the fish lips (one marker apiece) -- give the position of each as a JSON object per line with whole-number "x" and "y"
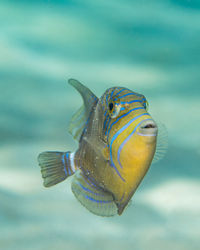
{"x": 148, "y": 128}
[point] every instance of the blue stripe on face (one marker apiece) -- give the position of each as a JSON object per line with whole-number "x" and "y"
{"x": 131, "y": 102}
{"x": 117, "y": 94}
{"x": 111, "y": 94}
{"x": 122, "y": 117}
{"x": 115, "y": 137}
{"x": 124, "y": 142}
{"x": 127, "y": 95}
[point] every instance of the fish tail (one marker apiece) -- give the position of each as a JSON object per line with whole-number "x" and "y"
{"x": 56, "y": 166}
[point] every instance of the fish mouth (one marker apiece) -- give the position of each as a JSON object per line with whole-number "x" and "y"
{"x": 148, "y": 128}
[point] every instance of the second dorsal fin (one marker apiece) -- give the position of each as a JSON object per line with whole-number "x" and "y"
{"x": 79, "y": 119}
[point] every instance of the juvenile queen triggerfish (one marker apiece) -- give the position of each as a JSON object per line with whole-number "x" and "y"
{"x": 118, "y": 140}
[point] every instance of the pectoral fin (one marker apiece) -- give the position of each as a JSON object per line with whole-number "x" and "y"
{"x": 162, "y": 143}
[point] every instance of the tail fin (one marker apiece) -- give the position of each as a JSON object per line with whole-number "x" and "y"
{"x": 56, "y": 166}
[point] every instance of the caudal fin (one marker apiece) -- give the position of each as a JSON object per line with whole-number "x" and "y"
{"x": 56, "y": 166}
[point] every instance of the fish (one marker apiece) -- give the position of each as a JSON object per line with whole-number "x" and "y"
{"x": 118, "y": 140}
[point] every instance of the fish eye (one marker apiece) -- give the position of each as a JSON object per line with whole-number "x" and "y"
{"x": 111, "y": 105}
{"x": 114, "y": 109}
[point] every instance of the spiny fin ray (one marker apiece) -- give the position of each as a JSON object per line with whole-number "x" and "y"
{"x": 80, "y": 118}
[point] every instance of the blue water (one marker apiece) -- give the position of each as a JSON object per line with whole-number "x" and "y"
{"x": 151, "y": 47}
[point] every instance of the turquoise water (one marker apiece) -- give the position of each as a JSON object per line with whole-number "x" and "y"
{"x": 151, "y": 47}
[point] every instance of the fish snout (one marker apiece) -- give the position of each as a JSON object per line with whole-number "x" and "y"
{"x": 148, "y": 128}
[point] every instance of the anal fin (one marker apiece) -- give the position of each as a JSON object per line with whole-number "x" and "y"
{"x": 91, "y": 196}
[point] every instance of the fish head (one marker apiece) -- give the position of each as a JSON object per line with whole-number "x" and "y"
{"x": 131, "y": 135}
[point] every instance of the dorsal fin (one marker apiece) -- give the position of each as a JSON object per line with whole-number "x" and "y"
{"x": 80, "y": 118}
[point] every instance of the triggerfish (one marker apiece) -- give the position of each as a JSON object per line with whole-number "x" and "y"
{"x": 118, "y": 140}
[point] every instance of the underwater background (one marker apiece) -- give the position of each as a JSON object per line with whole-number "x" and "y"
{"x": 151, "y": 47}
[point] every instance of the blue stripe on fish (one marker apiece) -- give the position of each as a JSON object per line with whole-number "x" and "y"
{"x": 116, "y": 170}
{"x": 63, "y": 161}
{"x": 124, "y": 142}
{"x": 89, "y": 180}
{"x": 122, "y": 117}
{"x": 126, "y": 126}
{"x": 127, "y": 95}
{"x": 115, "y": 137}
{"x": 90, "y": 183}
{"x": 111, "y": 94}
{"x": 68, "y": 162}
{"x": 131, "y": 101}
{"x": 123, "y": 108}
{"x": 105, "y": 113}
{"x": 97, "y": 201}
{"x": 117, "y": 94}
{"x": 88, "y": 190}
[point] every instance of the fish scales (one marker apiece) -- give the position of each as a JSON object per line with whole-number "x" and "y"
{"x": 117, "y": 142}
